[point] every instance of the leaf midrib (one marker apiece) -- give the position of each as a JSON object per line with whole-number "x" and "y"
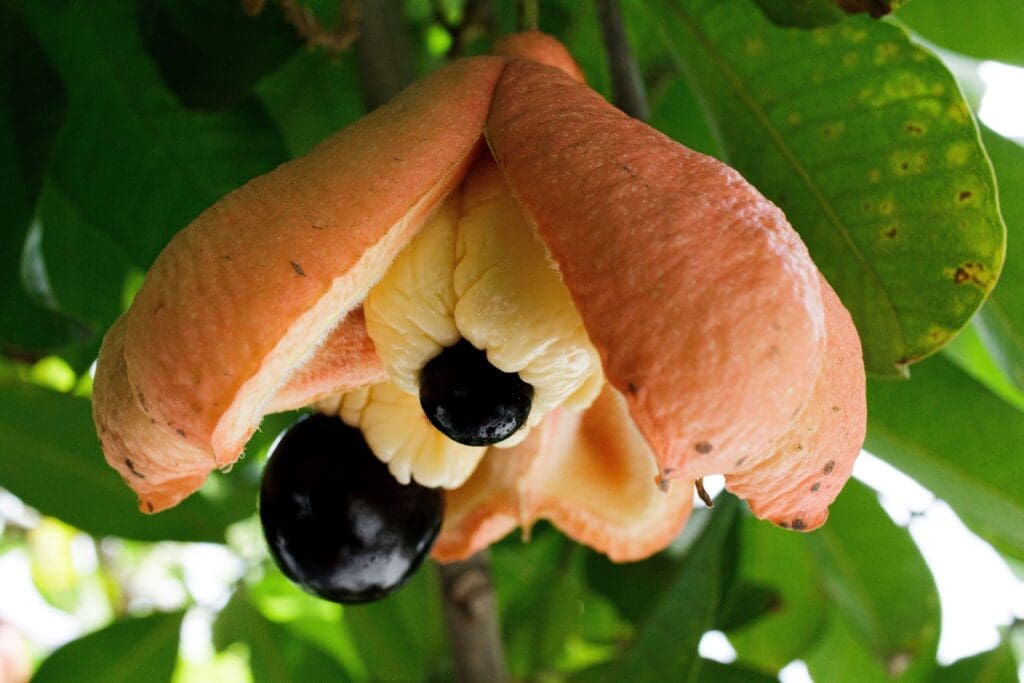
{"x": 995, "y": 303}
{"x": 854, "y": 580}
{"x": 141, "y": 651}
{"x": 926, "y": 454}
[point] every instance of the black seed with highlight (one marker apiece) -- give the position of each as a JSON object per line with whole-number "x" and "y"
{"x": 471, "y": 401}
{"x": 336, "y": 522}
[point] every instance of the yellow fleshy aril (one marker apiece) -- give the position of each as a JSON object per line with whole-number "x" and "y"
{"x": 512, "y": 303}
{"x": 410, "y": 313}
{"x": 475, "y": 271}
{"x": 398, "y": 433}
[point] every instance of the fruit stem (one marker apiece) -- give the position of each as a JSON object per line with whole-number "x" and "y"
{"x": 703, "y": 494}
{"x": 628, "y": 89}
{"x": 385, "y": 66}
{"x": 529, "y": 15}
{"x": 471, "y": 615}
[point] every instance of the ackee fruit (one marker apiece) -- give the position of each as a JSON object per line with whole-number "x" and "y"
{"x": 668, "y": 318}
{"x": 336, "y": 521}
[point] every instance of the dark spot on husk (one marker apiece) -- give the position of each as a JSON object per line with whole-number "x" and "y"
{"x": 131, "y": 468}
{"x": 799, "y": 524}
{"x": 829, "y": 466}
{"x": 149, "y": 506}
{"x": 632, "y": 388}
{"x": 784, "y": 525}
{"x": 298, "y": 269}
{"x": 815, "y": 486}
{"x": 703, "y": 447}
{"x": 181, "y": 432}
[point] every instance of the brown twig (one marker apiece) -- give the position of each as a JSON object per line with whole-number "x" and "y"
{"x": 703, "y": 494}
{"x": 628, "y": 89}
{"x": 471, "y": 615}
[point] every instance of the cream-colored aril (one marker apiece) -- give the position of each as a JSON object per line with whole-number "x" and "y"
{"x": 476, "y": 271}
{"x": 398, "y": 433}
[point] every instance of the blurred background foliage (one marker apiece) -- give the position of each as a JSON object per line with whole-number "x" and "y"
{"x": 121, "y": 120}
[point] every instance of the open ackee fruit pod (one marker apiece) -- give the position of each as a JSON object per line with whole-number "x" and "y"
{"x": 669, "y": 320}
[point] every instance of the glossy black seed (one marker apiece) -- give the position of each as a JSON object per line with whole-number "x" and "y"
{"x": 470, "y": 400}
{"x": 336, "y": 521}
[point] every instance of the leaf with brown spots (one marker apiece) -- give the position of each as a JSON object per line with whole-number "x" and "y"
{"x": 876, "y": 8}
{"x": 1001, "y": 319}
{"x": 865, "y": 141}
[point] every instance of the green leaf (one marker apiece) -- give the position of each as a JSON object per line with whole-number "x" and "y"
{"x": 886, "y": 614}
{"x": 677, "y": 113}
{"x": 307, "y": 616}
{"x": 876, "y": 576}
{"x": 714, "y": 672}
{"x": 840, "y": 656}
{"x": 864, "y": 139}
{"x": 52, "y": 460}
{"x": 1001, "y": 320}
{"x": 628, "y": 586}
{"x": 801, "y": 13}
{"x": 780, "y": 560}
{"x": 275, "y": 654}
{"x": 32, "y": 108}
{"x": 886, "y": 624}
{"x": 312, "y": 96}
{"x": 130, "y": 651}
{"x": 747, "y": 603}
{"x": 994, "y": 666}
{"x": 955, "y": 437}
{"x": 987, "y": 30}
{"x": 541, "y": 599}
{"x": 401, "y": 638}
{"x": 209, "y": 52}
{"x": 73, "y": 251}
{"x": 969, "y": 353}
{"x": 132, "y": 160}
{"x": 551, "y": 623}
{"x": 689, "y": 596}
